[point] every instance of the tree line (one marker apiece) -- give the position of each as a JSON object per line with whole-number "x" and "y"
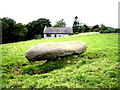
{"x": 81, "y": 27}
{"x": 15, "y": 32}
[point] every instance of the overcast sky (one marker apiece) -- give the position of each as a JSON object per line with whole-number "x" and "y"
{"x": 90, "y": 12}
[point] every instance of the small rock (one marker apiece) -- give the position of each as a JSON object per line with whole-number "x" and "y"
{"x": 51, "y": 51}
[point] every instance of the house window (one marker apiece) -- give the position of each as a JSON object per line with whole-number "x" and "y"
{"x": 48, "y": 35}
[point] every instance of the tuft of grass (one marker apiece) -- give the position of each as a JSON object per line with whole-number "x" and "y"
{"x": 96, "y": 68}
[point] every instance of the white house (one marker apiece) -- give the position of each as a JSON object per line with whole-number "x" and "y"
{"x": 52, "y": 32}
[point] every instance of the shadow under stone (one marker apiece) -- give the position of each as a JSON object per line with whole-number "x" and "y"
{"x": 48, "y": 66}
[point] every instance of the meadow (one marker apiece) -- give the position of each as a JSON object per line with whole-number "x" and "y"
{"x": 95, "y": 68}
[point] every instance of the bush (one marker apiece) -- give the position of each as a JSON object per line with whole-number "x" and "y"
{"x": 117, "y": 30}
{"x": 101, "y": 31}
{"x": 96, "y": 30}
{"x": 37, "y": 37}
{"x": 74, "y": 33}
{"x": 71, "y": 34}
{"x": 108, "y": 31}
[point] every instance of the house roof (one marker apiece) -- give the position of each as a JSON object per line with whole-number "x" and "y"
{"x": 61, "y": 30}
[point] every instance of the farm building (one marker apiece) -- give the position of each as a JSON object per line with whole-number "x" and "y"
{"x": 52, "y": 32}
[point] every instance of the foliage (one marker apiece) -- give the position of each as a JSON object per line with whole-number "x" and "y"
{"x": 96, "y": 68}
{"x": 76, "y": 24}
{"x": 87, "y": 28}
{"x": 74, "y": 33}
{"x": 95, "y": 27}
{"x": 36, "y": 27}
{"x": 96, "y": 30}
{"x": 21, "y": 31}
{"x": 12, "y": 31}
{"x": 103, "y": 27}
{"x": 37, "y": 37}
{"x": 60, "y": 23}
{"x": 84, "y": 28}
{"x": 108, "y": 31}
{"x": 15, "y": 32}
{"x": 117, "y": 30}
{"x": 80, "y": 27}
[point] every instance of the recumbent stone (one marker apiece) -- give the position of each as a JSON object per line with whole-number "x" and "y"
{"x": 51, "y": 51}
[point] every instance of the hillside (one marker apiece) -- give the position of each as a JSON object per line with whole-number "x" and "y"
{"x": 96, "y": 68}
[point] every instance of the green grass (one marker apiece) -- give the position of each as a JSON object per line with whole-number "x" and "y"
{"x": 96, "y": 68}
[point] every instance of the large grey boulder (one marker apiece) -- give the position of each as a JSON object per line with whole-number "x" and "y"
{"x": 51, "y": 51}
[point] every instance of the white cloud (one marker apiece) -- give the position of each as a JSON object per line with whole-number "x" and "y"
{"x": 91, "y": 12}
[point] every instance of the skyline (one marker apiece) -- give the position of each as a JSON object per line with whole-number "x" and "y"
{"x": 90, "y": 12}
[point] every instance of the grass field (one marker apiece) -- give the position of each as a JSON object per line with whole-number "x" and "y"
{"x": 96, "y": 68}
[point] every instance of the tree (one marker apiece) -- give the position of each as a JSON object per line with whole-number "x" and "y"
{"x": 21, "y": 32}
{"x": 103, "y": 27}
{"x": 87, "y": 28}
{"x": 76, "y": 22}
{"x": 36, "y": 27}
{"x": 117, "y": 30}
{"x": 11, "y": 31}
{"x": 84, "y": 28}
{"x": 76, "y": 25}
{"x": 95, "y": 27}
{"x": 7, "y": 30}
{"x": 60, "y": 23}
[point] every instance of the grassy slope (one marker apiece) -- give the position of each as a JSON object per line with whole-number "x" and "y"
{"x": 97, "y": 67}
